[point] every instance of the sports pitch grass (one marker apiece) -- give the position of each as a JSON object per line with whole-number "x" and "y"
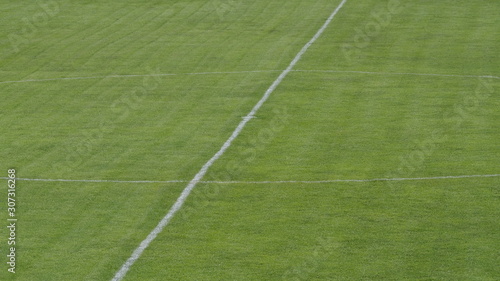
{"x": 150, "y": 90}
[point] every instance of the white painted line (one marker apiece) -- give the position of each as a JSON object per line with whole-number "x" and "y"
{"x": 246, "y": 72}
{"x": 185, "y": 193}
{"x": 264, "y": 182}
{"x": 136, "y": 75}
{"x": 361, "y": 180}
{"x": 101, "y": 181}
{"x": 400, "y": 73}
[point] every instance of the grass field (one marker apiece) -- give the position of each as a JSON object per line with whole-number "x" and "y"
{"x": 129, "y": 99}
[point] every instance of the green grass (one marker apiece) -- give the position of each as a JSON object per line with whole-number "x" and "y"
{"x": 317, "y": 125}
{"x": 419, "y": 231}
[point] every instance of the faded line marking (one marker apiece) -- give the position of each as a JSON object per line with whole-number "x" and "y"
{"x": 137, "y": 75}
{"x": 265, "y": 182}
{"x": 354, "y": 180}
{"x": 400, "y": 73}
{"x": 250, "y": 71}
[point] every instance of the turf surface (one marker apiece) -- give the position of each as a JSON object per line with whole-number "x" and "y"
{"x": 327, "y": 121}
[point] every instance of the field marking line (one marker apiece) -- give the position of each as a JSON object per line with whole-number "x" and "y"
{"x": 265, "y": 182}
{"x": 138, "y": 75}
{"x": 354, "y": 180}
{"x": 197, "y": 178}
{"x": 400, "y": 73}
{"x": 99, "y": 181}
{"x": 249, "y": 71}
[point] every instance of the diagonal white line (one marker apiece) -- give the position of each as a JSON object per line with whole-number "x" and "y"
{"x": 185, "y": 193}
